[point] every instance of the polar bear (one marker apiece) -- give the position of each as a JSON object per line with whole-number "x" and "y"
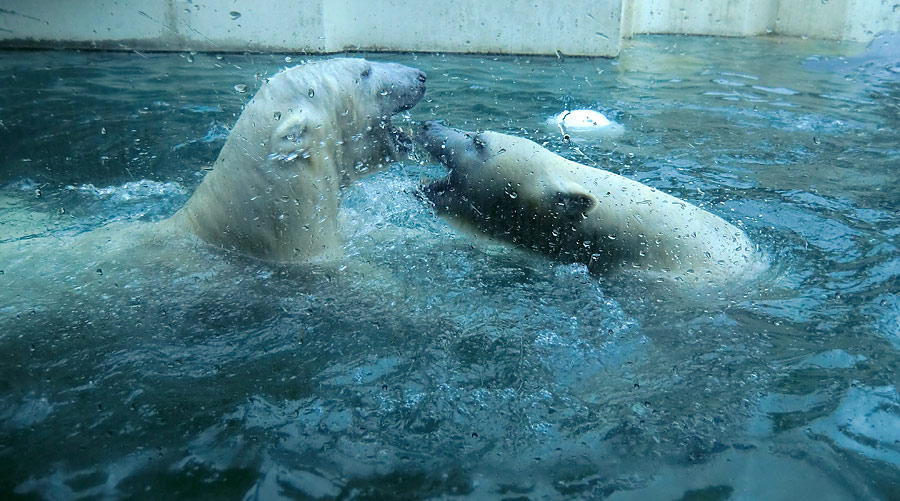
{"x": 274, "y": 191}
{"x": 272, "y": 194}
{"x": 513, "y": 189}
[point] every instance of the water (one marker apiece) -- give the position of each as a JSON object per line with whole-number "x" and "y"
{"x": 431, "y": 363}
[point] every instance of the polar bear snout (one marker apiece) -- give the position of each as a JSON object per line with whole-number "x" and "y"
{"x": 411, "y": 96}
{"x": 402, "y": 86}
{"x": 456, "y": 149}
{"x": 434, "y": 138}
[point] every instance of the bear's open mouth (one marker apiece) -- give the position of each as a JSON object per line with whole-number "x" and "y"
{"x": 401, "y": 141}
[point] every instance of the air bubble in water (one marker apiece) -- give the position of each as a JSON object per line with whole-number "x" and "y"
{"x": 277, "y": 115}
{"x": 241, "y": 88}
{"x": 311, "y": 92}
{"x": 288, "y": 59}
{"x": 234, "y": 14}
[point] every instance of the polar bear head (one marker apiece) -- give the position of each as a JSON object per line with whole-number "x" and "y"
{"x": 310, "y": 130}
{"x": 345, "y": 101}
{"x": 341, "y": 104}
{"x": 500, "y": 180}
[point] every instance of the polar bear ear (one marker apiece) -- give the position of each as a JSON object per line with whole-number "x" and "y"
{"x": 572, "y": 200}
{"x": 290, "y": 138}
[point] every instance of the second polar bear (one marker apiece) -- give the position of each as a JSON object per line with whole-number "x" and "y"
{"x": 513, "y": 189}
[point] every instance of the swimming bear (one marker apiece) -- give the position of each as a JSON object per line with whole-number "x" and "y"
{"x": 513, "y": 189}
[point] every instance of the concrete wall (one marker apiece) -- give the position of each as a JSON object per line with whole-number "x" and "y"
{"x": 587, "y": 27}
{"x": 702, "y": 17}
{"x": 582, "y": 27}
{"x": 857, "y": 20}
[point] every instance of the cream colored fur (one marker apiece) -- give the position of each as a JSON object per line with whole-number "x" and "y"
{"x": 311, "y": 130}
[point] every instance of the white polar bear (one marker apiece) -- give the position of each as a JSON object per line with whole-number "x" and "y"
{"x": 513, "y": 189}
{"x": 273, "y": 193}
{"x": 310, "y": 130}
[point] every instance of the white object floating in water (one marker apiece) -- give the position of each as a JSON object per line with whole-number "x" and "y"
{"x": 576, "y": 122}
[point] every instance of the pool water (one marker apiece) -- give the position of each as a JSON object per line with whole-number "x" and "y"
{"x": 429, "y": 362}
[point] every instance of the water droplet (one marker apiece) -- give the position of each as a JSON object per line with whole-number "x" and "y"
{"x": 311, "y": 92}
{"x": 277, "y": 115}
{"x": 99, "y": 271}
{"x": 513, "y": 194}
{"x": 240, "y": 88}
{"x": 234, "y": 14}
{"x": 190, "y": 58}
{"x": 288, "y": 59}
{"x": 103, "y": 130}
{"x": 817, "y": 140}
{"x": 37, "y": 193}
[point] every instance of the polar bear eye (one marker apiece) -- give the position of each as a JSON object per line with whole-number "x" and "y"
{"x": 477, "y": 142}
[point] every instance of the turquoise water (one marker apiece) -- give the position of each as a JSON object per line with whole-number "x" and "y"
{"x": 429, "y": 362}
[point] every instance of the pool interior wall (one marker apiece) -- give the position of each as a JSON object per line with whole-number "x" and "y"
{"x": 429, "y": 362}
{"x": 576, "y": 27}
